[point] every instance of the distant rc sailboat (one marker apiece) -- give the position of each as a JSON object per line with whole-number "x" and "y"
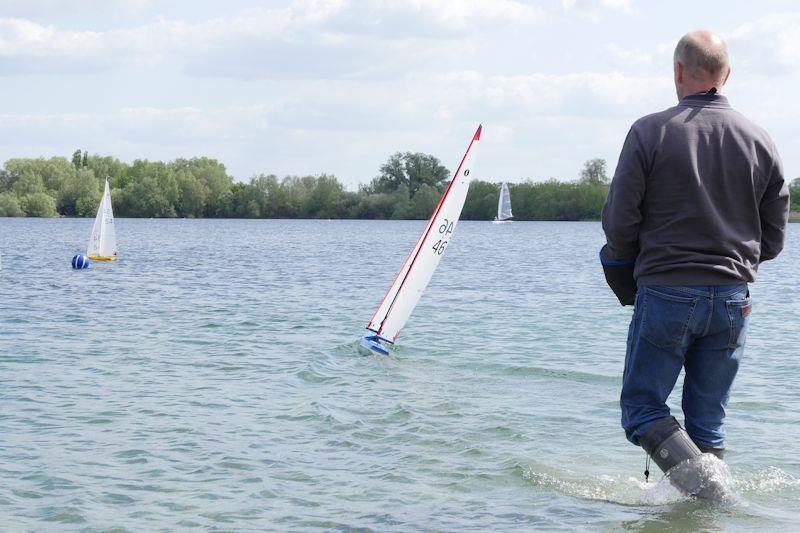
{"x": 103, "y": 242}
{"x": 413, "y": 277}
{"x": 503, "y": 205}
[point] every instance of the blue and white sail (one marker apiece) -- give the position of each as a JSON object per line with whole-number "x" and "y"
{"x": 416, "y": 271}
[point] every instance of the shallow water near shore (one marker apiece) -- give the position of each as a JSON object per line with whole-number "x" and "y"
{"x": 211, "y": 378}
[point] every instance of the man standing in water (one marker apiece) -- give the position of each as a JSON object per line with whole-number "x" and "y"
{"x": 697, "y": 202}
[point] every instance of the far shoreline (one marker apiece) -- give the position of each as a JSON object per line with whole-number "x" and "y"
{"x": 794, "y": 216}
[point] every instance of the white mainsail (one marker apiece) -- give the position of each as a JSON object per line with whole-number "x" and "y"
{"x": 417, "y": 269}
{"x": 103, "y": 242}
{"x": 504, "y": 204}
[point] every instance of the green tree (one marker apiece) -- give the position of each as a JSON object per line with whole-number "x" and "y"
{"x": 52, "y": 172}
{"x": 794, "y": 194}
{"x": 28, "y": 183}
{"x": 298, "y": 194}
{"x": 9, "y": 205}
{"x": 372, "y": 206}
{"x": 594, "y": 172}
{"x": 273, "y": 196}
{"x": 326, "y": 199}
{"x": 76, "y": 158}
{"x": 191, "y": 195}
{"x": 412, "y": 170}
{"x": 424, "y": 202}
{"x": 80, "y": 195}
{"x": 143, "y": 198}
{"x": 245, "y": 201}
{"x": 38, "y": 204}
{"x": 85, "y": 161}
{"x": 157, "y": 182}
{"x": 401, "y": 202}
{"x": 481, "y": 203}
{"x": 118, "y": 197}
{"x": 111, "y": 167}
{"x": 212, "y": 174}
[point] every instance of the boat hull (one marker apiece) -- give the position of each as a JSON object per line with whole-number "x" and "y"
{"x": 99, "y": 258}
{"x": 372, "y": 344}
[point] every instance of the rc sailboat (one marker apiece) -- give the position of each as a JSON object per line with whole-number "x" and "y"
{"x": 416, "y": 271}
{"x": 103, "y": 242}
{"x": 503, "y": 205}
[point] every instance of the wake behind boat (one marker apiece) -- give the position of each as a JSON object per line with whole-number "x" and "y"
{"x": 416, "y": 271}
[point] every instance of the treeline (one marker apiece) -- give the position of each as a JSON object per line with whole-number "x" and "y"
{"x": 198, "y": 187}
{"x": 408, "y": 186}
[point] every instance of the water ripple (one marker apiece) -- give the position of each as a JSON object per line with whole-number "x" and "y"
{"x": 211, "y": 379}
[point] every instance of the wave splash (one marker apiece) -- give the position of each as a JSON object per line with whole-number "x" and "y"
{"x": 632, "y": 491}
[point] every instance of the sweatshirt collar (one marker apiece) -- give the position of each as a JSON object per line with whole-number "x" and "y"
{"x": 705, "y": 100}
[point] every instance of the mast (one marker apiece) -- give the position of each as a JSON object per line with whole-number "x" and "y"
{"x": 417, "y": 270}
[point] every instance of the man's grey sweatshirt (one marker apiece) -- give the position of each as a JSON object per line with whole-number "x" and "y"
{"x": 698, "y": 196}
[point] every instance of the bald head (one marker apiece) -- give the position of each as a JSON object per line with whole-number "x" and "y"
{"x": 701, "y": 62}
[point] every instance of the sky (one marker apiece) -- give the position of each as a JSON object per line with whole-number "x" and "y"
{"x": 336, "y": 86}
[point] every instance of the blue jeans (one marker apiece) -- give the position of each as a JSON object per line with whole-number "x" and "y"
{"x": 701, "y": 329}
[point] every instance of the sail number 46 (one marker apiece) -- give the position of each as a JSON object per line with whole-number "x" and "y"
{"x": 438, "y": 248}
{"x": 445, "y": 229}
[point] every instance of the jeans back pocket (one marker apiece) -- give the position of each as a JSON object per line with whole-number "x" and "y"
{"x": 738, "y": 314}
{"x": 665, "y": 318}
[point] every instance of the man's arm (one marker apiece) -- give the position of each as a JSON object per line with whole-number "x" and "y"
{"x": 622, "y": 210}
{"x": 774, "y": 212}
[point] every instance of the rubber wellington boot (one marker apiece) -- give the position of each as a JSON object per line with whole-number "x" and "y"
{"x": 680, "y": 459}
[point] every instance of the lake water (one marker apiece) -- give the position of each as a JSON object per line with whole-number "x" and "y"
{"x": 210, "y": 378}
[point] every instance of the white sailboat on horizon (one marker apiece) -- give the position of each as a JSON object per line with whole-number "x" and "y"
{"x": 503, "y": 206}
{"x": 103, "y": 241}
{"x": 417, "y": 270}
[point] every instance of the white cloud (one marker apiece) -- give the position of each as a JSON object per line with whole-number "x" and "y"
{"x": 314, "y": 38}
{"x": 768, "y": 46}
{"x": 594, "y": 10}
{"x": 337, "y": 85}
{"x": 630, "y": 56}
{"x": 625, "y": 6}
{"x": 439, "y": 17}
{"x": 595, "y": 94}
{"x": 24, "y": 37}
{"x": 51, "y": 8}
{"x": 340, "y": 126}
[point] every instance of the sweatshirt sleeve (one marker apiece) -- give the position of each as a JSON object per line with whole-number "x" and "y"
{"x": 622, "y": 212}
{"x": 774, "y": 212}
